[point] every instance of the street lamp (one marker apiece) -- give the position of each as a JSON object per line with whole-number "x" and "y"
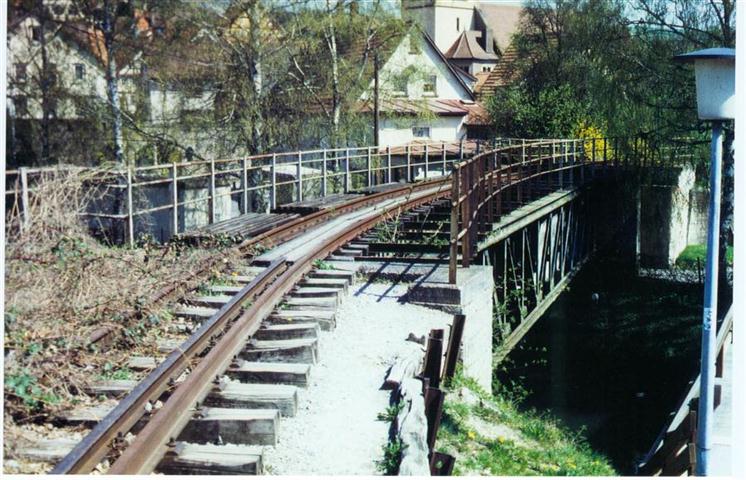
{"x": 715, "y": 73}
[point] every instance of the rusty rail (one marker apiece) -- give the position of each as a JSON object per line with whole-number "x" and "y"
{"x": 229, "y": 327}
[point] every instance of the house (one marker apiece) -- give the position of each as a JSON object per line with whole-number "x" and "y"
{"x": 423, "y": 96}
{"x": 475, "y": 36}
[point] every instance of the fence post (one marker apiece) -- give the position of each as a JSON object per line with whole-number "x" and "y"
{"x": 388, "y": 163}
{"x": 300, "y": 177}
{"x": 370, "y": 167}
{"x": 347, "y": 170}
{"x": 409, "y": 164}
{"x": 273, "y": 183}
{"x": 175, "y": 199}
{"x": 130, "y": 219}
{"x": 212, "y": 190}
{"x": 245, "y": 184}
{"x": 427, "y": 154}
{"x": 26, "y": 216}
{"x": 323, "y": 174}
{"x": 455, "y": 194}
{"x": 444, "y": 158}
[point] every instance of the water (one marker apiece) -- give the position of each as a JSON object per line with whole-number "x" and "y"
{"x": 614, "y": 363}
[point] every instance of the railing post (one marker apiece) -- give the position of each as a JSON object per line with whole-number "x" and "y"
{"x": 130, "y": 216}
{"x": 273, "y": 183}
{"x": 25, "y": 214}
{"x": 444, "y": 158}
{"x": 174, "y": 200}
{"x": 409, "y": 163}
{"x": 347, "y": 171}
{"x": 300, "y": 176}
{"x": 323, "y": 174}
{"x": 426, "y": 160}
{"x": 370, "y": 166}
{"x": 245, "y": 184}
{"x": 212, "y": 191}
{"x": 388, "y": 164}
{"x": 453, "y": 255}
{"x": 461, "y": 149}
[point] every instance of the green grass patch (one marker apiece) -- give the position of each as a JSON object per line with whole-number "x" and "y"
{"x": 488, "y": 435}
{"x": 693, "y": 253}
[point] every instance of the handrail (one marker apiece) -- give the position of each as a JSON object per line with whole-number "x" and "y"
{"x": 480, "y": 181}
{"x": 657, "y": 448}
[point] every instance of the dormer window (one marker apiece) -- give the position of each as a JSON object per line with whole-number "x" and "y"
{"x": 79, "y": 71}
{"x": 36, "y": 34}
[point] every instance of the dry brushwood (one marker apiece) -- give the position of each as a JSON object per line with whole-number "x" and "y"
{"x": 62, "y": 285}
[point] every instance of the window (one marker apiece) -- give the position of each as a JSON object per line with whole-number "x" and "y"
{"x": 36, "y": 34}
{"x": 421, "y": 132}
{"x": 79, "y": 71}
{"x": 52, "y": 74}
{"x": 399, "y": 84}
{"x": 458, "y": 24}
{"x": 486, "y": 69}
{"x": 414, "y": 46}
{"x": 52, "y": 105}
{"x": 430, "y": 84}
{"x": 58, "y": 10}
{"x": 21, "y": 105}
{"x": 20, "y": 72}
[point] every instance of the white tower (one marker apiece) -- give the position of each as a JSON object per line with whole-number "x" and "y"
{"x": 443, "y": 20}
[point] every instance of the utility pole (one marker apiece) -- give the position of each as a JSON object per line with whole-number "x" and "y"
{"x": 376, "y": 99}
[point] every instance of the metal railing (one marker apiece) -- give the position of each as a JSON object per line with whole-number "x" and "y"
{"x": 480, "y": 182}
{"x": 209, "y": 190}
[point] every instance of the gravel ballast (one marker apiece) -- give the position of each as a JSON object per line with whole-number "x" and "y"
{"x": 336, "y": 430}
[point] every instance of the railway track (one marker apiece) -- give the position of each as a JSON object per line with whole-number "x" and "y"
{"x": 224, "y": 390}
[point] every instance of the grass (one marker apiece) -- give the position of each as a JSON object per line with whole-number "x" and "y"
{"x": 688, "y": 258}
{"x": 490, "y": 436}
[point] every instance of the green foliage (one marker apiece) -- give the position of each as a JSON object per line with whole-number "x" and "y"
{"x": 693, "y": 257}
{"x": 26, "y": 386}
{"x": 68, "y": 248}
{"x": 320, "y": 264}
{"x": 552, "y": 112}
{"x": 493, "y": 437}
{"x": 392, "y": 453}
{"x": 110, "y": 372}
{"x": 391, "y": 412}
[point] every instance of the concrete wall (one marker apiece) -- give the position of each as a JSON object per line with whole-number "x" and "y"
{"x": 672, "y": 216}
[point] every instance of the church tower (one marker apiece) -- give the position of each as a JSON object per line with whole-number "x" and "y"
{"x": 443, "y": 20}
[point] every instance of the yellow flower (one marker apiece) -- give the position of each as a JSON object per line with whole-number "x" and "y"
{"x": 235, "y": 274}
{"x": 501, "y": 439}
{"x": 471, "y": 435}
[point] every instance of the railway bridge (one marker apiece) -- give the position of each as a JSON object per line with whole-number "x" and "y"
{"x": 478, "y": 228}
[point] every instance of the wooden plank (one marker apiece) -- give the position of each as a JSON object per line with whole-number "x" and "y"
{"x": 303, "y": 350}
{"x": 271, "y": 372}
{"x": 255, "y": 395}
{"x": 47, "y": 449}
{"x": 454, "y": 344}
{"x": 192, "y": 459}
{"x": 233, "y": 425}
{"x": 288, "y": 331}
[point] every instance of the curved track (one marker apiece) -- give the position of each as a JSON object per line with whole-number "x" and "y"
{"x": 210, "y": 350}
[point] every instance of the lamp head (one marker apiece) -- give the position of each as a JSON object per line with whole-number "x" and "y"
{"x": 715, "y": 73}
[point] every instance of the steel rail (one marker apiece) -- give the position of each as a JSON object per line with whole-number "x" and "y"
{"x": 88, "y": 453}
{"x": 142, "y": 457}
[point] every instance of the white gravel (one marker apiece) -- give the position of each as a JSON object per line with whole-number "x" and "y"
{"x": 335, "y": 431}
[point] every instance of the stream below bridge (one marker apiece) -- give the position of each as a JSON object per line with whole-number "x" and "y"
{"x": 612, "y": 356}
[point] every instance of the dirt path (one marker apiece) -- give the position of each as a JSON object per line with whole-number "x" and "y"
{"x": 336, "y": 431}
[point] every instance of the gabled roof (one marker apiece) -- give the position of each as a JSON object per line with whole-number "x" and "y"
{"x": 466, "y": 47}
{"x": 501, "y": 20}
{"x": 502, "y": 74}
{"x": 475, "y": 113}
{"x": 448, "y": 65}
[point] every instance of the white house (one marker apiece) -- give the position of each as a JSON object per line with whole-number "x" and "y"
{"x": 422, "y": 96}
{"x": 472, "y": 34}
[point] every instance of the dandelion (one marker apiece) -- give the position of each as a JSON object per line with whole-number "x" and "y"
{"x": 501, "y": 439}
{"x": 471, "y": 435}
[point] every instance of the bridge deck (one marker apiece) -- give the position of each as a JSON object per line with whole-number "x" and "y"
{"x": 722, "y": 453}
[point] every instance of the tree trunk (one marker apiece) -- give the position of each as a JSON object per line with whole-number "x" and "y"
{"x": 44, "y": 83}
{"x": 112, "y": 84}
{"x": 726, "y": 219}
{"x": 331, "y": 41}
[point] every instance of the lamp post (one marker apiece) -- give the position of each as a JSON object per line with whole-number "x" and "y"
{"x": 715, "y": 73}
